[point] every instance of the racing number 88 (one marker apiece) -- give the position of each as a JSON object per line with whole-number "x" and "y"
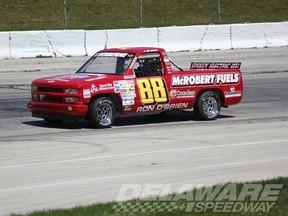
{"x": 152, "y": 90}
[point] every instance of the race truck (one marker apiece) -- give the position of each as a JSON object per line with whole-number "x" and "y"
{"x": 141, "y": 80}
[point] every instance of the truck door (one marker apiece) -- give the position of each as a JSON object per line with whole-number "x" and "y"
{"x": 150, "y": 82}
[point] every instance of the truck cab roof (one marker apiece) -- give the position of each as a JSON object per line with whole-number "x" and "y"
{"x": 135, "y": 50}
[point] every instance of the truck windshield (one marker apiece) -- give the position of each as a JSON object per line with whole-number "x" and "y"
{"x": 107, "y": 63}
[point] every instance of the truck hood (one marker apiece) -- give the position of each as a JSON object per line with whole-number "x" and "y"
{"x": 71, "y": 80}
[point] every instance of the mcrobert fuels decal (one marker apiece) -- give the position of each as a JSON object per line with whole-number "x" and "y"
{"x": 205, "y": 79}
{"x": 227, "y": 78}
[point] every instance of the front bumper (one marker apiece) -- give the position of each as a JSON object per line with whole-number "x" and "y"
{"x": 57, "y": 110}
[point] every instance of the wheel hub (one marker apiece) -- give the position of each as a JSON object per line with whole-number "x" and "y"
{"x": 104, "y": 112}
{"x": 210, "y": 107}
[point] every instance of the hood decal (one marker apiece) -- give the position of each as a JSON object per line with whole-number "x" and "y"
{"x": 67, "y": 78}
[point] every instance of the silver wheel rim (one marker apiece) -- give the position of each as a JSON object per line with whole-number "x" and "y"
{"x": 105, "y": 113}
{"x": 210, "y": 107}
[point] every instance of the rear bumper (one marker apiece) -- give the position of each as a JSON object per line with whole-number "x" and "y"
{"x": 57, "y": 110}
{"x": 232, "y": 101}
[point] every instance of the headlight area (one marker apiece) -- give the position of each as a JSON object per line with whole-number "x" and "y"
{"x": 53, "y": 94}
{"x": 33, "y": 88}
{"x": 34, "y": 94}
{"x": 71, "y": 91}
{"x": 70, "y": 99}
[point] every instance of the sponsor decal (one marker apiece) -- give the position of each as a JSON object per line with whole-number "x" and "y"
{"x": 173, "y": 93}
{"x": 130, "y": 55}
{"x": 227, "y": 78}
{"x": 150, "y": 50}
{"x": 67, "y": 78}
{"x": 186, "y": 94}
{"x": 93, "y": 89}
{"x": 127, "y": 101}
{"x": 166, "y": 60}
{"x": 129, "y": 76}
{"x": 123, "y": 86}
{"x": 168, "y": 67}
{"x": 113, "y": 54}
{"x": 96, "y": 77}
{"x": 58, "y": 78}
{"x": 215, "y": 65}
{"x": 127, "y": 108}
{"x": 78, "y": 76}
{"x": 106, "y": 86}
{"x": 126, "y": 88}
{"x": 182, "y": 94}
{"x": 161, "y": 107}
{"x": 167, "y": 63}
{"x": 232, "y": 93}
{"x": 86, "y": 93}
{"x": 205, "y": 79}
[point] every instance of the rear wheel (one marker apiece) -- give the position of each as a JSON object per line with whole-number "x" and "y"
{"x": 208, "y": 105}
{"x": 102, "y": 112}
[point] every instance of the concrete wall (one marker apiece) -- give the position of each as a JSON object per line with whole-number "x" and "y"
{"x": 31, "y": 44}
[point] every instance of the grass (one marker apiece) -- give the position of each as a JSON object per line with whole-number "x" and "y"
{"x": 112, "y": 14}
{"x": 279, "y": 209}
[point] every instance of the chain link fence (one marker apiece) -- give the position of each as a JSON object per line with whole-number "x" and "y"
{"x": 111, "y": 14}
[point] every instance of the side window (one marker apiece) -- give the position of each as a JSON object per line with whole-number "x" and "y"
{"x": 149, "y": 64}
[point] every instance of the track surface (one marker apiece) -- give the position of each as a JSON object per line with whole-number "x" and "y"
{"x": 43, "y": 166}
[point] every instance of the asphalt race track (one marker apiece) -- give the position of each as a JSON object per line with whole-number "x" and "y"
{"x": 44, "y": 166}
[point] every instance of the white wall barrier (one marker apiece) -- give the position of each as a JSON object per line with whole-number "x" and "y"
{"x": 5, "y": 45}
{"x": 95, "y": 41}
{"x": 276, "y": 34}
{"x": 181, "y": 38}
{"x": 132, "y": 37}
{"x": 217, "y": 37}
{"x": 67, "y": 43}
{"x": 31, "y": 44}
{"x": 248, "y": 36}
{"x": 99, "y": 39}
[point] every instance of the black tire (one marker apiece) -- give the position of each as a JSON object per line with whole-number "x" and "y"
{"x": 102, "y": 112}
{"x": 207, "y": 105}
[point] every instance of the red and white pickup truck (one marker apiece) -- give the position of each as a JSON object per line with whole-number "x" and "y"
{"x": 141, "y": 80}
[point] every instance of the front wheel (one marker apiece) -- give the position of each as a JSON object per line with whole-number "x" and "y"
{"x": 102, "y": 112}
{"x": 208, "y": 105}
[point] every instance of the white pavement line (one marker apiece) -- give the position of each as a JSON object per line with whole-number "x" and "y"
{"x": 141, "y": 153}
{"x": 72, "y": 182}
